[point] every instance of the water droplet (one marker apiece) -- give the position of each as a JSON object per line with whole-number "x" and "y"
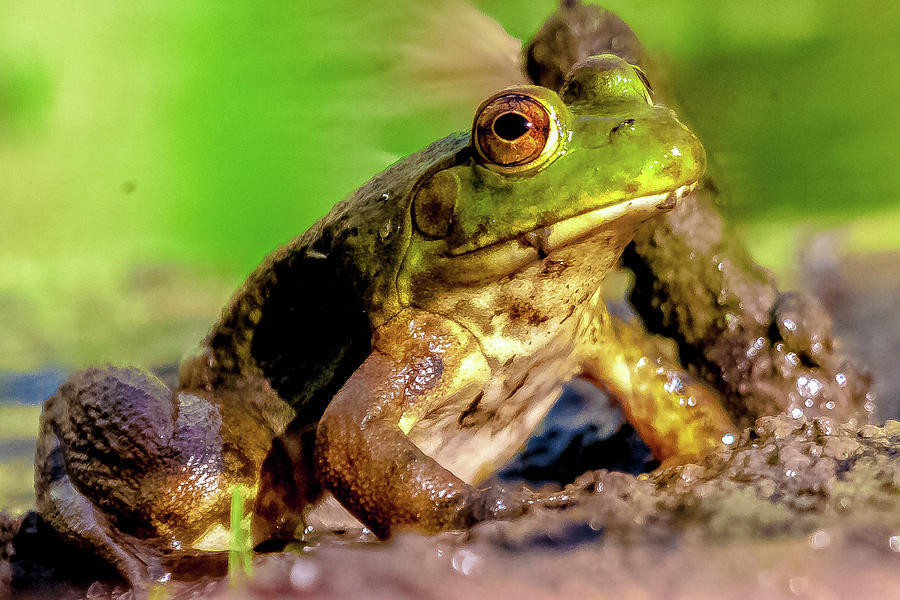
{"x": 797, "y": 413}
{"x": 819, "y": 540}
{"x": 386, "y": 230}
{"x": 814, "y": 386}
{"x": 465, "y": 561}
{"x": 841, "y": 379}
{"x": 674, "y": 385}
{"x": 304, "y": 574}
{"x": 728, "y": 439}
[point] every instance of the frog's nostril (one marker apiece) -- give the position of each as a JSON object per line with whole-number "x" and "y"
{"x": 511, "y": 126}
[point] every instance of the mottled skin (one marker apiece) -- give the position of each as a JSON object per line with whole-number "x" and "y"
{"x": 402, "y": 348}
{"x": 765, "y": 350}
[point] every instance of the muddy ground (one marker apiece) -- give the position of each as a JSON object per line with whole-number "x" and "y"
{"x": 795, "y": 510}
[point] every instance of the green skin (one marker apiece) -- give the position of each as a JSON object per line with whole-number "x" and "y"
{"x": 696, "y": 284}
{"x": 396, "y": 353}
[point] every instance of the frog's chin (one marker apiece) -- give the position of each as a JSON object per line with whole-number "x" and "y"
{"x": 563, "y": 233}
{"x": 510, "y": 255}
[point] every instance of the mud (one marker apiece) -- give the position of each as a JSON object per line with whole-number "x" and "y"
{"x": 796, "y": 508}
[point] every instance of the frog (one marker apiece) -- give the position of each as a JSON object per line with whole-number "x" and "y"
{"x": 399, "y": 351}
{"x": 766, "y": 350}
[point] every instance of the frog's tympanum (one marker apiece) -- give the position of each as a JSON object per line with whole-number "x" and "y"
{"x": 403, "y": 347}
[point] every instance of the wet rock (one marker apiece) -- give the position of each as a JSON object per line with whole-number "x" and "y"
{"x": 767, "y": 352}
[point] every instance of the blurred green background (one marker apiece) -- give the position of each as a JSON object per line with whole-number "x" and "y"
{"x": 151, "y": 153}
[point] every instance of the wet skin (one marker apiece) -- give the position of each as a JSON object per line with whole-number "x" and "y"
{"x": 402, "y": 348}
{"x": 766, "y": 351}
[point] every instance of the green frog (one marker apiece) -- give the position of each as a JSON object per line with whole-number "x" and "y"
{"x": 402, "y": 348}
{"x": 767, "y": 351}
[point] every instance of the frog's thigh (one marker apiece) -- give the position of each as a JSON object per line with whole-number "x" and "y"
{"x": 72, "y": 513}
{"x": 421, "y": 363}
{"x": 131, "y": 470}
{"x": 679, "y": 418}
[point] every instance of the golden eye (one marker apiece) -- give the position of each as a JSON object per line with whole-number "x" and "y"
{"x": 513, "y": 131}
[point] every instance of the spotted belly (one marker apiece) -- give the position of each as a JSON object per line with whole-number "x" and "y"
{"x": 475, "y": 440}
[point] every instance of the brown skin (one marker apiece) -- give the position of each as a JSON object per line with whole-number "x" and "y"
{"x": 411, "y": 368}
{"x": 401, "y": 349}
{"x": 322, "y": 375}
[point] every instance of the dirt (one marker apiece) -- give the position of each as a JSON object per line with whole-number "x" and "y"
{"x": 795, "y": 509}
{"x": 798, "y": 509}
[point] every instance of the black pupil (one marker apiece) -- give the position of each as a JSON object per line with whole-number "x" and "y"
{"x": 511, "y": 126}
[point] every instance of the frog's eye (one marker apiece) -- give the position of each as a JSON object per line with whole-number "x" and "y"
{"x": 515, "y": 132}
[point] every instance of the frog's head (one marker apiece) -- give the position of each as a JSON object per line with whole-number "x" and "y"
{"x": 543, "y": 171}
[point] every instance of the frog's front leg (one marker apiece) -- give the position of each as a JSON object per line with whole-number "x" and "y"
{"x": 678, "y": 417}
{"x": 420, "y": 363}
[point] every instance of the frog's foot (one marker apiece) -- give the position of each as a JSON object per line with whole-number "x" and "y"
{"x": 507, "y": 503}
{"x": 494, "y": 503}
{"x": 128, "y": 469}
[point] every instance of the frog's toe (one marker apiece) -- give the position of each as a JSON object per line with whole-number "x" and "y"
{"x": 495, "y": 503}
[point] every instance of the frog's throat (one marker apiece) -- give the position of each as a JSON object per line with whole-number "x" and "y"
{"x": 572, "y": 229}
{"x": 507, "y": 256}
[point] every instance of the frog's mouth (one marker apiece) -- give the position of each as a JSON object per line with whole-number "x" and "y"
{"x": 511, "y": 254}
{"x": 572, "y": 229}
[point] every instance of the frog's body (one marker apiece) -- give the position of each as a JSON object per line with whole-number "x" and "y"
{"x": 403, "y": 347}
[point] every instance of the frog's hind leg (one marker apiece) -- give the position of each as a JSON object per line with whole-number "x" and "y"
{"x": 678, "y": 417}
{"x": 140, "y": 474}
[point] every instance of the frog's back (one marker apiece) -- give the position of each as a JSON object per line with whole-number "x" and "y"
{"x": 304, "y": 318}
